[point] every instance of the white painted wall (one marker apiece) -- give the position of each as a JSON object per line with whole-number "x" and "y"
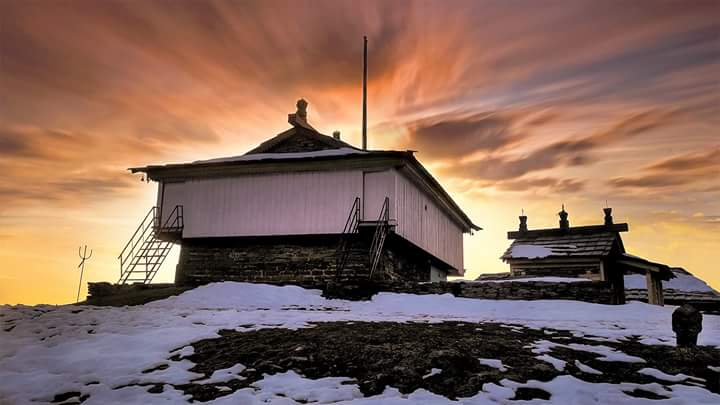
{"x": 311, "y": 203}
{"x": 273, "y": 204}
{"x": 421, "y": 221}
{"x": 377, "y": 186}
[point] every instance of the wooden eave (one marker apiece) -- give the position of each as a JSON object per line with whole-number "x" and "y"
{"x": 184, "y": 171}
{"x": 577, "y": 230}
{"x": 664, "y": 271}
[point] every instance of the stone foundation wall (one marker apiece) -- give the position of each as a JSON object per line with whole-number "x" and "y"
{"x": 298, "y": 259}
{"x": 596, "y": 292}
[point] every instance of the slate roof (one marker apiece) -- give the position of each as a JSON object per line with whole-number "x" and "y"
{"x": 300, "y": 139}
{"x": 596, "y": 244}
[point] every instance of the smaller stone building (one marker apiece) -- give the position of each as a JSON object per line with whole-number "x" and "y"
{"x": 594, "y": 252}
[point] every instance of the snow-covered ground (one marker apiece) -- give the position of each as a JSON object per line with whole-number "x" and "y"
{"x": 102, "y": 352}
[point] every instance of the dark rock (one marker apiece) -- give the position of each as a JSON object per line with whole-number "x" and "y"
{"x": 640, "y": 393}
{"x": 526, "y": 394}
{"x": 687, "y": 325}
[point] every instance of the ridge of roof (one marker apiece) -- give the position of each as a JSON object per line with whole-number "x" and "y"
{"x": 328, "y": 141}
{"x": 576, "y": 230}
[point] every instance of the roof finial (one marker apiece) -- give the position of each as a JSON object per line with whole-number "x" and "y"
{"x": 302, "y": 108}
{"x": 523, "y": 221}
{"x": 300, "y": 116}
{"x": 608, "y": 216}
{"x": 564, "y": 223}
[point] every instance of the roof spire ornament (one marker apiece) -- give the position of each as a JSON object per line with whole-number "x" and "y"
{"x": 564, "y": 223}
{"x": 299, "y": 119}
{"x": 302, "y": 108}
{"x": 523, "y": 221}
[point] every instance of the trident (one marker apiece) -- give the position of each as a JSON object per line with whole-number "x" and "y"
{"x": 81, "y": 266}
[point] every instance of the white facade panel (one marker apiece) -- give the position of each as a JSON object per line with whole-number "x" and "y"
{"x": 378, "y": 185}
{"x": 171, "y": 194}
{"x": 259, "y": 205}
{"x": 421, "y": 221}
{"x": 300, "y": 203}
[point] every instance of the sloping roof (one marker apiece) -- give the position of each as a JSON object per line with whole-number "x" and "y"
{"x": 299, "y": 139}
{"x": 597, "y": 244}
{"x": 297, "y": 148}
{"x": 638, "y": 264}
{"x": 285, "y": 155}
{"x": 683, "y": 281}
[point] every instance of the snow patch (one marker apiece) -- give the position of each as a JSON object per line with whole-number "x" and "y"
{"x": 586, "y": 369}
{"x": 494, "y": 363}
{"x": 557, "y": 363}
{"x": 224, "y": 375}
{"x": 433, "y": 371}
{"x": 655, "y": 373}
{"x": 681, "y": 282}
{"x": 521, "y": 251}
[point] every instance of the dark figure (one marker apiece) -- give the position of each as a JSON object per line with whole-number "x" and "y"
{"x": 687, "y": 324}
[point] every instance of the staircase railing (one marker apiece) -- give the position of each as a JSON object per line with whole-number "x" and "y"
{"x": 381, "y": 231}
{"x": 175, "y": 221}
{"x": 351, "y": 227}
{"x": 145, "y": 228}
{"x": 145, "y": 248}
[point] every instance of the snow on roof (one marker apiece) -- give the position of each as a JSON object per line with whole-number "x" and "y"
{"x": 288, "y": 155}
{"x": 546, "y": 279}
{"x": 681, "y": 282}
{"x": 519, "y": 251}
{"x": 595, "y": 244}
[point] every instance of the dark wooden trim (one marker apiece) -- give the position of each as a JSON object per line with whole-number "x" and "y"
{"x": 373, "y": 161}
{"x": 230, "y": 169}
{"x": 577, "y": 230}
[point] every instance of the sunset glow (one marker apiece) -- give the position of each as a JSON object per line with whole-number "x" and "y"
{"x": 513, "y": 105}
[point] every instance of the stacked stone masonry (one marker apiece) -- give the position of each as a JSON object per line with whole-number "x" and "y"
{"x": 292, "y": 259}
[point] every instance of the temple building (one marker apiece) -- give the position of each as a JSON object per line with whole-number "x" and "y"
{"x": 594, "y": 252}
{"x": 301, "y": 206}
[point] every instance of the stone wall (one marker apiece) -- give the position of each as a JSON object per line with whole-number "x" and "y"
{"x": 104, "y": 293}
{"x": 592, "y": 291}
{"x": 292, "y": 259}
{"x": 596, "y": 292}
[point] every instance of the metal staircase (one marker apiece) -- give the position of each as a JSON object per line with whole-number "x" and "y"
{"x": 381, "y": 232}
{"x": 148, "y": 247}
{"x": 351, "y": 227}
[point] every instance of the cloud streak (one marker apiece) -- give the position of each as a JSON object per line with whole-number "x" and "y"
{"x": 566, "y": 153}
{"x": 696, "y": 167}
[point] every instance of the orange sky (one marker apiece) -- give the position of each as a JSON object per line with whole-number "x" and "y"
{"x": 511, "y": 104}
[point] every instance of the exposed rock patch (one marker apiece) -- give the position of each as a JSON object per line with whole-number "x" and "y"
{"x": 442, "y": 358}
